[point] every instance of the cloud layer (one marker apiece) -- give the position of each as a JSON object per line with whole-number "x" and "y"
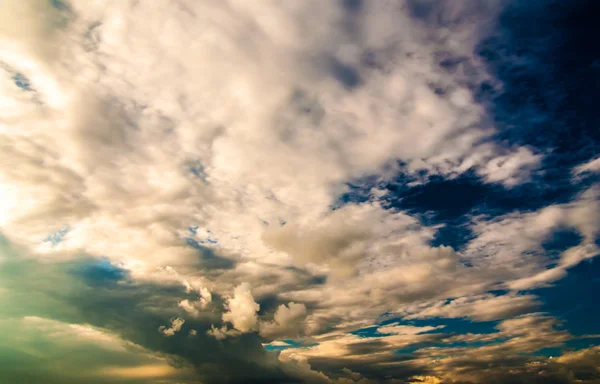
{"x": 280, "y": 191}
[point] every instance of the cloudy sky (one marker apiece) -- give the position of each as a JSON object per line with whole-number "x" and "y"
{"x": 299, "y": 191}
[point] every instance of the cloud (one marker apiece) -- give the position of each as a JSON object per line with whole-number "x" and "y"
{"x": 176, "y": 325}
{"x": 288, "y": 321}
{"x": 592, "y": 166}
{"x": 481, "y": 307}
{"x": 222, "y": 332}
{"x": 517, "y": 239}
{"x": 71, "y": 353}
{"x": 396, "y": 329}
{"x": 194, "y": 307}
{"x": 241, "y": 309}
{"x": 201, "y": 149}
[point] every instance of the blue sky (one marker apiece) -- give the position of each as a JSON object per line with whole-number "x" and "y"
{"x": 351, "y": 191}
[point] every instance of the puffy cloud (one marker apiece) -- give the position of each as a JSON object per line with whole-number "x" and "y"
{"x": 288, "y": 321}
{"x": 222, "y": 332}
{"x": 347, "y": 236}
{"x": 175, "y": 327}
{"x": 241, "y": 309}
{"x": 213, "y": 161}
{"x": 194, "y": 307}
{"x": 214, "y": 139}
{"x": 512, "y": 168}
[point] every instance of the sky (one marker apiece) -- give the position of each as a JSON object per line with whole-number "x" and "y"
{"x": 299, "y": 191}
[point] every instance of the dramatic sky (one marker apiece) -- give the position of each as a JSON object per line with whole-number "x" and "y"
{"x": 299, "y": 191}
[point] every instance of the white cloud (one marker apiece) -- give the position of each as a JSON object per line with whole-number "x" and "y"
{"x": 195, "y": 306}
{"x": 234, "y": 117}
{"x": 241, "y": 309}
{"x": 481, "y": 307}
{"x": 253, "y": 101}
{"x": 512, "y": 168}
{"x": 397, "y": 329}
{"x": 220, "y": 333}
{"x": 278, "y": 343}
{"x": 591, "y": 166}
{"x": 175, "y": 327}
{"x": 516, "y": 239}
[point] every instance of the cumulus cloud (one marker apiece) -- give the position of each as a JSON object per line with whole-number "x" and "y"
{"x": 195, "y": 306}
{"x": 206, "y": 148}
{"x": 175, "y": 327}
{"x": 221, "y": 333}
{"x": 289, "y": 320}
{"x": 241, "y": 309}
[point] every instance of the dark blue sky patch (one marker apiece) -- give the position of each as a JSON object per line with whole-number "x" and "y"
{"x": 57, "y": 236}
{"x": 419, "y": 9}
{"x": 207, "y": 257}
{"x": 357, "y": 192}
{"x": 550, "y": 352}
{"x": 290, "y": 344}
{"x": 452, "y": 203}
{"x": 451, "y": 326}
{"x": 444, "y": 199}
{"x": 561, "y": 240}
{"x": 100, "y": 272}
{"x": 367, "y": 332}
{"x": 197, "y": 169}
{"x": 574, "y": 299}
{"x": 352, "y": 5}
{"x": 22, "y": 82}
{"x": 544, "y": 54}
{"x": 60, "y": 5}
{"x": 454, "y": 233}
{"x": 451, "y": 199}
{"x": 345, "y": 74}
{"x": 459, "y": 326}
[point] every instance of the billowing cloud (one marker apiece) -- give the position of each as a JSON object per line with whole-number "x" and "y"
{"x": 236, "y": 191}
{"x": 241, "y": 309}
{"x": 175, "y": 327}
{"x": 289, "y": 320}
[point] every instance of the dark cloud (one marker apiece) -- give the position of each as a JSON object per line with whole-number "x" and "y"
{"x": 345, "y": 74}
{"x": 100, "y": 272}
